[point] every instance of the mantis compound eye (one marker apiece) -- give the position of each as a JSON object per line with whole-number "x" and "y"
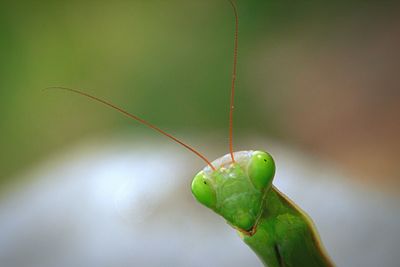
{"x": 261, "y": 169}
{"x": 203, "y": 190}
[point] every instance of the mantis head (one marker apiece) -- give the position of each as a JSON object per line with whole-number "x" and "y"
{"x": 235, "y": 189}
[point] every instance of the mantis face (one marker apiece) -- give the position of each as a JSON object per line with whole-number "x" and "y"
{"x": 235, "y": 190}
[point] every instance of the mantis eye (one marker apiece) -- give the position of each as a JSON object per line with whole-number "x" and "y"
{"x": 261, "y": 169}
{"x": 203, "y": 190}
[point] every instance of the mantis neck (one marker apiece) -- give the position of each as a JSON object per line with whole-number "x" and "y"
{"x": 285, "y": 235}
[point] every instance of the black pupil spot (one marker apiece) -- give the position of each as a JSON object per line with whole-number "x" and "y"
{"x": 265, "y": 160}
{"x": 205, "y": 182}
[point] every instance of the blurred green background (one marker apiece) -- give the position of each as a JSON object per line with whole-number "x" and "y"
{"x": 318, "y": 87}
{"x": 321, "y": 76}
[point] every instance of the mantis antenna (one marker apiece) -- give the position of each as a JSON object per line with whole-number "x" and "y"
{"x": 142, "y": 121}
{"x": 126, "y": 113}
{"x": 235, "y": 52}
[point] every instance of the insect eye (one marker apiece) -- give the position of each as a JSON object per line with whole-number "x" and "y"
{"x": 261, "y": 169}
{"x": 203, "y": 190}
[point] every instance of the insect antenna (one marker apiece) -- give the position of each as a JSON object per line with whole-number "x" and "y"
{"x": 235, "y": 52}
{"x": 142, "y": 121}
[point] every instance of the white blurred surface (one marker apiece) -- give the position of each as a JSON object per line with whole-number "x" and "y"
{"x": 129, "y": 204}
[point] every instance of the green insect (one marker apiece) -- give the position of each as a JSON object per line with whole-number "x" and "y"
{"x": 238, "y": 186}
{"x": 240, "y": 189}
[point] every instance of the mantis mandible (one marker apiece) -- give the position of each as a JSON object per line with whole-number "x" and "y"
{"x": 238, "y": 186}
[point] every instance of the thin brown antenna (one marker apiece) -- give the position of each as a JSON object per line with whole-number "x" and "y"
{"x": 126, "y": 113}
{"x": 235, "y": 52}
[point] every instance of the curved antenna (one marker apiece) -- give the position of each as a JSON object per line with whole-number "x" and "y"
{"x": 126, "y": 113}
{"x": 235, "y": 52}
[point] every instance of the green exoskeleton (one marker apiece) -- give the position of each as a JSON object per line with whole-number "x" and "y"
{"x": 241, "y": 191}
{"x": 238, "y": 186}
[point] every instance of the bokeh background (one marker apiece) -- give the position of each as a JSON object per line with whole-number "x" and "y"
{"x": 318, "y": 87}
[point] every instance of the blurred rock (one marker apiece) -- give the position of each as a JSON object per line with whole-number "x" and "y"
{"x": 129, "y": 204}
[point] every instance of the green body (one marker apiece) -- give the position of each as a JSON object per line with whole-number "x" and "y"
{"x": 274, "y": 228}
{"x": 285, "y": 236}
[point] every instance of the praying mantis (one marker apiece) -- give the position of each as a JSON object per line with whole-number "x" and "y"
{"x": 238, "y": 187}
